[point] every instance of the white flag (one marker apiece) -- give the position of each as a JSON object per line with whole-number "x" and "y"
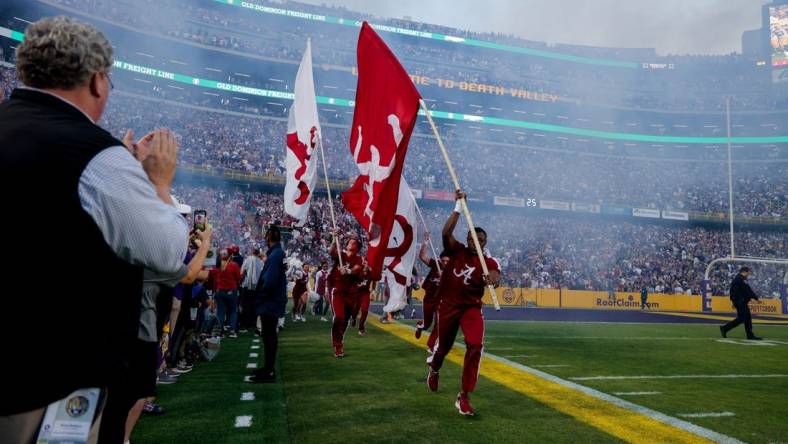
{"x": 402, "y": 251}
{"x": 303, "y": 130}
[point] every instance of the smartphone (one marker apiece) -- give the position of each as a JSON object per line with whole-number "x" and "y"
{"x": 211, "y": 258}
{"x": 200, "y": 219}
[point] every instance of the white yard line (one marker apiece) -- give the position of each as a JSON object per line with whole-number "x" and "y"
{"x": 253, "y": 355}
{"x": 247, "y": 379}
{"x": 251, "y": 365}
{"x": 615, "y": 338}
{"x": 243, "y": 421}
{"x": 247, "y": 396}
{"x": 255, "y": 340}
{"x": 747, "y": 343}
{"x": 617, "y": 378}
{"x": 604, "y": 322}
{"x": 255, "y": 347}
{"x": 636, "y": 393}
{"x": 658, "y": 416}
{"x": 706, "y": 415}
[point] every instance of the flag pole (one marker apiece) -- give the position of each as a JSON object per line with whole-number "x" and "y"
{"x": 427, "y": 230}
{"x": 463, "y": 203}
{"x": 330, "y": 200}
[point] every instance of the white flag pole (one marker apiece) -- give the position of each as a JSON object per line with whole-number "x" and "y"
{"x": 463, "y": 203}
{"x": 427, "y": 230}
{"x": 337, "y": 239}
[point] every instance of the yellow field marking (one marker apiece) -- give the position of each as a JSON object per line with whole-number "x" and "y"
{"x": 623, "y": 423}
{"x": 718, "y": 317}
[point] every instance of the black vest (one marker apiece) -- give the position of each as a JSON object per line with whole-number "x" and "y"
{"x": 70, "y": 305}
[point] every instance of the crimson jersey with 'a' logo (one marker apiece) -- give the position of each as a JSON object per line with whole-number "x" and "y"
{"x": 345, "y": 284}
{"x": 461, "y": 281}
{"x": 431, "y": 283}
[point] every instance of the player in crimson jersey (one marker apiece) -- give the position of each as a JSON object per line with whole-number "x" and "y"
{"x": 363, "y": 290}
{"x": 345, "y": 282}
{"x": 430, "y": 286}
{"x": 460, "y": 291}
{"x": 320, "y": 308}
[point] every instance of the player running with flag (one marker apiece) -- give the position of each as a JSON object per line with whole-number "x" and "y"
{"x": 460, "y": 291}
{"x": 343, "y": 298}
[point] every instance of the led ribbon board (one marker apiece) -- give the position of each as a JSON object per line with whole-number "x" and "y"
{"x": 470, "y": 118}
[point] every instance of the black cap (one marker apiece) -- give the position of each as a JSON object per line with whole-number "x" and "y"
{"x": 744, "y": 270}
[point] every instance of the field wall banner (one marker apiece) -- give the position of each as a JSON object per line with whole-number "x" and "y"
{"x": 675, "y": 215}
{"x": 438, "y": 195}
{"x": 784, "y": 297}
{"x": 601, "y": 300}
{"x": 555, "y": 298}
{"x": 723, "y": 304}
{"x": 518, "y": 202}
{"x": 554, "y": 205}
{"x": 629, "y": 301}
{"x": 586, "y": 208}
{"x": 645, "y": 212}
{"x": 617, "y": 210}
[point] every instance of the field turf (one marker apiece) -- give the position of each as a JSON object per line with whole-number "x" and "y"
{"x": 377, "y": 392}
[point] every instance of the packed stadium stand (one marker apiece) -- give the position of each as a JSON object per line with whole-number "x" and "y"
{"x": 610, "y": 163}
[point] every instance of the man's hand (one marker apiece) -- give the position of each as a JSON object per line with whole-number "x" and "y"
{"x": 204, "y": 236}
{"x": 459, "y": 195}
{"x": 140, "y": 149}
{"x": 160, "y": 162}
{"x": 426, "y": 236}
{"x": 494, "y": 278}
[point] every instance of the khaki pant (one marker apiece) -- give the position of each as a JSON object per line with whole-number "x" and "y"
{"x": 22, "y": 428}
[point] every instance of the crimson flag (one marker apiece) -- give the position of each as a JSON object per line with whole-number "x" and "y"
{"x": 387, "y": 104}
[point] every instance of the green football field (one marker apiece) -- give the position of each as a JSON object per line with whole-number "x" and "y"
{"x": 540, "y": 382}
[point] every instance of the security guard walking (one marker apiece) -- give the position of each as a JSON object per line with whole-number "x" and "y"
{"x": 741, "y": 293}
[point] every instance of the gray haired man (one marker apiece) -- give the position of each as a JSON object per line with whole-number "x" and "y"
{"x": 108, "y": 213}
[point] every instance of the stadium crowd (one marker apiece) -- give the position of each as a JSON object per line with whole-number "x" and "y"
{"x": 220, "y": 141}
{"x": 543, "y": 252}
{"x": 696, "y": 86}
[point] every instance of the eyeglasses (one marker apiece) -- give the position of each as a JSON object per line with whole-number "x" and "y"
{"x": 109, "y": 79}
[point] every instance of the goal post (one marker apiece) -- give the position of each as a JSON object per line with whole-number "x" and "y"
{"x": 705, "y": 288}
